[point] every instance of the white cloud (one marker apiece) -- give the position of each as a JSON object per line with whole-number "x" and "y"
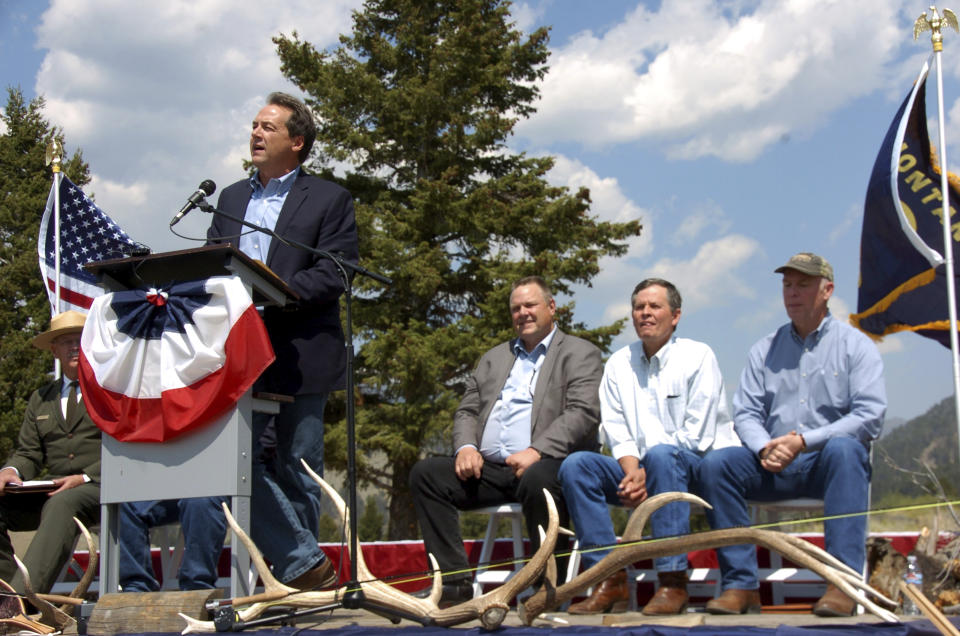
{"x": 851, "y": 219}
{"x": 706, "y": 216}
{"x": 717, "y": 79}
{"x": 3, "y": 124}
{"x": 711, "y": 278}
{"x": 761, "y": 315}
{"x": 892, "y": 344}
{"x": 616, "y": 311}
{"x": 125, "y": 203}
{"x": 112, "y": 194}
{"x": 526, "y": 16}
{"x": 841, "y": 311}
{"x": 839, "y": 308}
{"x": 952, "y": 117}
{"x": 163, "y": 93}
{"x": 608, "y": 201}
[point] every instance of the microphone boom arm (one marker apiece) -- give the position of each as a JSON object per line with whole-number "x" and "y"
{"x": 338, "y": 260}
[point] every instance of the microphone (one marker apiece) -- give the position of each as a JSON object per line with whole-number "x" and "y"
{"x": 138, "y": 249}
{"x": 206, "y": 189}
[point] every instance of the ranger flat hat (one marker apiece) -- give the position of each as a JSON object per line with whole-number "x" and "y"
{"x": 61, "y": 324}
{"x": 808, "y": 263}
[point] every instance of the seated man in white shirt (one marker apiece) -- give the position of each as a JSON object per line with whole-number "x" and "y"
{"x": 662, "y": 407}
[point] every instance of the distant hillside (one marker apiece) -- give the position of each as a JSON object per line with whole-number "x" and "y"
{"x": 929, "y": 438}
{"x": 891, "y": 424}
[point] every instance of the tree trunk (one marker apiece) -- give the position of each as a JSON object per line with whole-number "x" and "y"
{"x": 403, "y": 518}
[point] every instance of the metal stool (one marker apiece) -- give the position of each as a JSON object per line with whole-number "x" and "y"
{"x": 513, "y": 512}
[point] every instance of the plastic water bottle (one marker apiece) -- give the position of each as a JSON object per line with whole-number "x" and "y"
{"x": 913, "y": 576}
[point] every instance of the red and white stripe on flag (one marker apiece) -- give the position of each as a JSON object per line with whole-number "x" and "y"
{"x": 87, "y": 235}
{"x": 155, "y": 364}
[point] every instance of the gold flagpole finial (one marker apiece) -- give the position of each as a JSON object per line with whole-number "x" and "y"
{"x": 935, "y": 25}
{"x": 54, "y": 154}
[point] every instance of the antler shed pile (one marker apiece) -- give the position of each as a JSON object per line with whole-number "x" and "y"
{"x": 491, "y": 608}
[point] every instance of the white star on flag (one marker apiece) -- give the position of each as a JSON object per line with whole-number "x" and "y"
{"x": 87, "y": 235}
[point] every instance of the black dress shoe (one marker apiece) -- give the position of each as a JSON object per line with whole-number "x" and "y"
{"x": 450, "y": 593}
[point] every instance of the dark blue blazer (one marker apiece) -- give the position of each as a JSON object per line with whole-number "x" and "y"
{"x": 307, "y": 337}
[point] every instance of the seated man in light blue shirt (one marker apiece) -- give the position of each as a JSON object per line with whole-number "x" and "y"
{"x": 810, "y": 402}
{"x": 529, "y": 403}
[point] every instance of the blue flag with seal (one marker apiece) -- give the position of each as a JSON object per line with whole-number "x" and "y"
{"x": 902, "y": 272}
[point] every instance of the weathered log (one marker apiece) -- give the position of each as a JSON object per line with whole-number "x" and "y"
{"x": 144, "y": 612}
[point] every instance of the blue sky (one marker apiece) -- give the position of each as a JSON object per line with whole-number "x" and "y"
{"x": 741, "y": 132}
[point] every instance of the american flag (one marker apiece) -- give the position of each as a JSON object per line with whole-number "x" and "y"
{"x": 87, "y": 235}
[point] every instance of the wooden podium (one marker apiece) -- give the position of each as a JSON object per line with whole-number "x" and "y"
{"x": 212, "y": 461}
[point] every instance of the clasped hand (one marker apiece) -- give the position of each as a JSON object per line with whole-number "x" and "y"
{"x": 632, "y": 489}
{"x": 469, "y": 462}
{"x": 779, "y": 452}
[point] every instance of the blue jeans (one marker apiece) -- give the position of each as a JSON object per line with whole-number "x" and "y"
{"x": 839, "y": 474}
{"x": 204, "y": 527}
{"x": 285, "y": 501}
{"x": 590, "y": 483}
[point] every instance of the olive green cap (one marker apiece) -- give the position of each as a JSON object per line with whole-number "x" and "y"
{"x": 808, "y": 263}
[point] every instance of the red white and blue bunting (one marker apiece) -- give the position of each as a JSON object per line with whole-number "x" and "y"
{"x": 155, "y": 364}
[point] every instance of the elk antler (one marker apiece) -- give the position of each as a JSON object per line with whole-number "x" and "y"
{"x": 802, "y": 552}
{"x": 276, "y": 593}
{"x": 84, "y": 583}
{"x": 49, "y": 615}
{"x": 491, "y": 608}
{"x": 79, "y": 591}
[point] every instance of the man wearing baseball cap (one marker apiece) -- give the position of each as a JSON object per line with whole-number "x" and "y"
{"x": 59, "y": 436}
{"x": 811, "y": 400}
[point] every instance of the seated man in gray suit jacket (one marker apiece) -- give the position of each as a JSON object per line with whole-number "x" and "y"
{"x": 529, "y": 403}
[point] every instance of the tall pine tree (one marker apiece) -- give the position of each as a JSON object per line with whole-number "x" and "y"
{"x": 24, "y": 310}
{"x": 420, "y": 99}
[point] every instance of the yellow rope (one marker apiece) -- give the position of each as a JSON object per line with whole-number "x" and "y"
{"x": 410, "y": 578}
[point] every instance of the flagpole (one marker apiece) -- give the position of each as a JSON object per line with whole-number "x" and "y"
{"x": 53, "y": 158}
{"x": 56, "y": 230}
{"x": 936, "y": 23}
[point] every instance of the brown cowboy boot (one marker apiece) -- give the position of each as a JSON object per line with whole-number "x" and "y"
{"x": 735, "y": 602}
{"x": 322, "y": 576}
{"x": 612, "y": 595}
{"x": 834, "y": 603}
{"x": 671, "y": 597}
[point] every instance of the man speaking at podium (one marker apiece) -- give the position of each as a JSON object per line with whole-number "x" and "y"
{"x": 307, "y": 338}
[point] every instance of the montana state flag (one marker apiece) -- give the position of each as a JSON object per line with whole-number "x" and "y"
{"x": 902, "y": 273}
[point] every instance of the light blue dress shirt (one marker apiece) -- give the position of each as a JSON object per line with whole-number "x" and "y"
{"x": 829, "y": 384}
{"x": 507, "y": 430}
{"x": 264, "y": 210}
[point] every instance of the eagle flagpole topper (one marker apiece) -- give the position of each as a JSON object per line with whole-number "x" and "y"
{"x": 935, "y": 24}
